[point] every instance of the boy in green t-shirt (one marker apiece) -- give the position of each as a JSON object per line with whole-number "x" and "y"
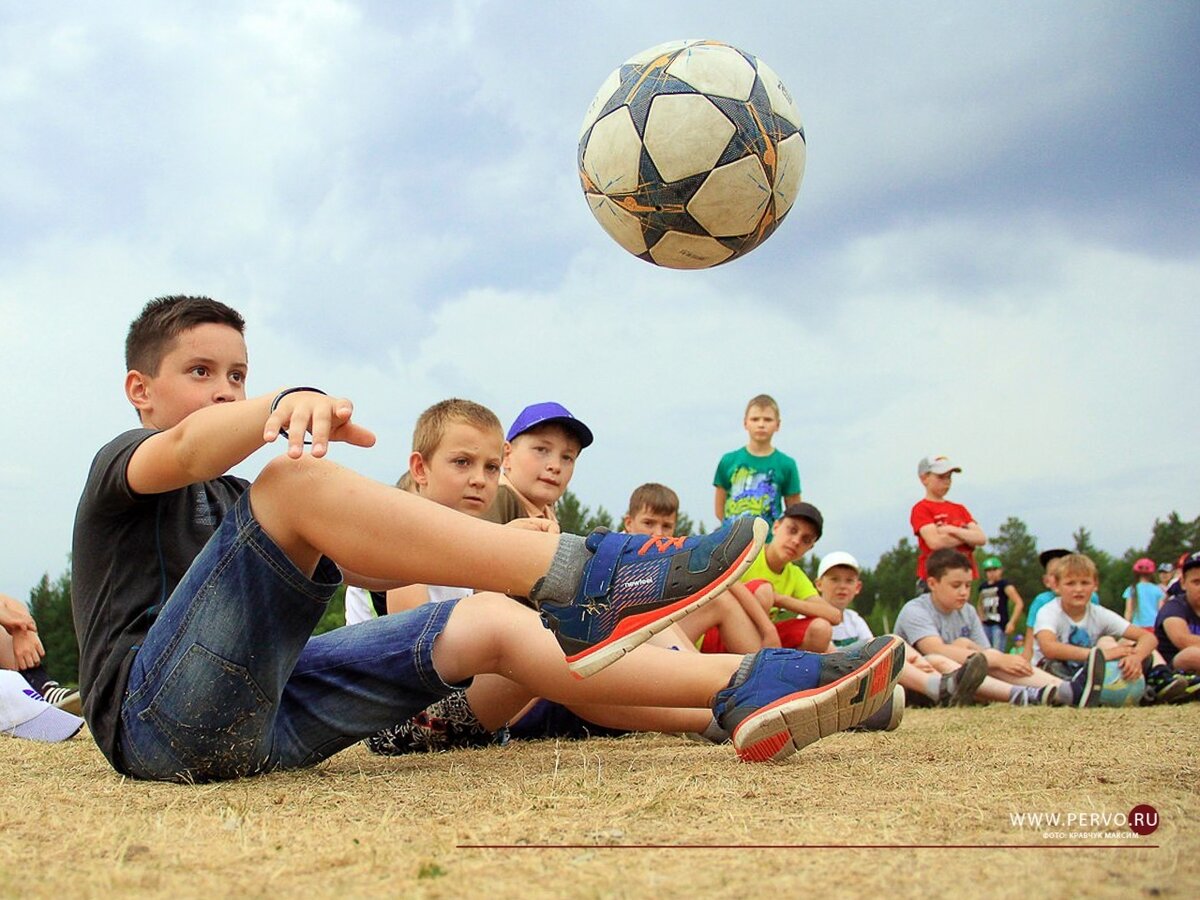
{"x": 757, "y": 479}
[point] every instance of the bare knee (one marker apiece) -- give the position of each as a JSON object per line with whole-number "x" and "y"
{"x": 818, "y": 636}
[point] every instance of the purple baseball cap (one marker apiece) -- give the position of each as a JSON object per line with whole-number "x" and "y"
{"x": 541, "y": 413}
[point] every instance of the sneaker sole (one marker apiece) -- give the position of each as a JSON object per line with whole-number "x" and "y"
{"x": 791, "y": 723}
{"x": 636, "y": 630}
{"x": 1173, "y": 692}
{"x": 971, "y": 676}
{"x": 1095, "y": 680}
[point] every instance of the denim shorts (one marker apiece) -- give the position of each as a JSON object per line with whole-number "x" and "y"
{"x": 229, "y": 681}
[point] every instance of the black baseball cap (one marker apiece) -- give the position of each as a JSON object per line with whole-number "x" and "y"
{"x": 1046, "y": 555}
{"x": 806, "y": 511}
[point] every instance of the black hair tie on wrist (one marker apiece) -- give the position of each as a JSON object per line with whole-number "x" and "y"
{"x": 294, "y": 390}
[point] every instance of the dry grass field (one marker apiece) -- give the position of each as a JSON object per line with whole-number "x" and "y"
{"x": 947, "y": 782}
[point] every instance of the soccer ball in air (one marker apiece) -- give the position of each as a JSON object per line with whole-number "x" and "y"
{"x": 1117, "y": 691}
{"x": 691, "y": 154}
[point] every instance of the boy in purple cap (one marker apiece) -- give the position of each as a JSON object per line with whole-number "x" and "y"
{"x": 540, "y": 450}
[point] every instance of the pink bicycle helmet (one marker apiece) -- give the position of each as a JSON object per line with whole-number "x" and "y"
{"x": 1144, "y": 566}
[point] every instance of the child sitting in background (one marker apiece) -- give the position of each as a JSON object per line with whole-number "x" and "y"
{"x": 1070, "y": 628}
{"x": 941, "y": 623}
{"x": 802, "y": 619}
{"x": 1178, "y": 627}
{"x": 540, "y": 451}
{"x": 839, "y": 582}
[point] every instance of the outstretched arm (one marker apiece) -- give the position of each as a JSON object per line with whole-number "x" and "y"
{"x": 210, "y": 441}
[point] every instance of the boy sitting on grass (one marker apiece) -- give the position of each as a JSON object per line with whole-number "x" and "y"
{"x": 941, "y": 623}
{"x": 839, "y": 582}
{"x": 802, "y": 619}
{"x": 1178, "y": 627}
{"x": 1071, "y": 627}
{"x": 195, "y": 593}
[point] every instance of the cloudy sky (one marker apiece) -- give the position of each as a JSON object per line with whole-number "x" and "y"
{"x": 995, "y": 253}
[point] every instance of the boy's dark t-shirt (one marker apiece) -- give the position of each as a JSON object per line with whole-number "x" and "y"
{"x": 994, "y": 600}
{"x": 128, "y": 553}
{"x": 1174, "y": 608}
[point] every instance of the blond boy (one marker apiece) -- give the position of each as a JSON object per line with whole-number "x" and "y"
{"x": 1068, "y": 630}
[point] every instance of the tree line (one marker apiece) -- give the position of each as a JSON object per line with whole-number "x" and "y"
{"x": 887, "y": 585}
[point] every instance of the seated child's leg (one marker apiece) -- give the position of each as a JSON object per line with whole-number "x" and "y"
{"x": 1187, "y": 660}
{"x": 805, "y": 633}
{"x": 313, "y": 508}
{"x": 738, "y": 633}
{"x": 205, "y": 684}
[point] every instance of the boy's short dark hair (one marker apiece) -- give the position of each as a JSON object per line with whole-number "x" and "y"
{"x": 163, "y": 319}
{"x": 658, "y": 498}
{"x": 763, "y": 401}
{"x": 942, "y": 561}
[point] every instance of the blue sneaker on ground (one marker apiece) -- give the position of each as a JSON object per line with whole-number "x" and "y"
{"x": 781, "y": 700}
{"x": 635, "y": 585}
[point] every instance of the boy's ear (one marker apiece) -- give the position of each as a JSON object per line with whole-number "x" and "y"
{"x": 417, "y": 469}
{"x": 137, "y": 390}
{"x": 507, "y": 453}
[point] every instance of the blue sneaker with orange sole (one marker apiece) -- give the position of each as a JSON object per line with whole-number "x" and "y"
{"x": 781, "y": 700}
{"x": 635, "y": 585}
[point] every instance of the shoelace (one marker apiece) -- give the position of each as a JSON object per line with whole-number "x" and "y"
{"x": 661, "y": 544}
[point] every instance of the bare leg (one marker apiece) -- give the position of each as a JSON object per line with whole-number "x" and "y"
{"x": 490, "y": 633}
{"x": 994, "y": 689}
{"x": 497, "y": 701}
{"x": 1187, "y": 659}
{"x": 313, "y": 507}
{"x": 738, "y": 633}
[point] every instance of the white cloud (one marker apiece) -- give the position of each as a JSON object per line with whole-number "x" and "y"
{"x": 390, "y": 197}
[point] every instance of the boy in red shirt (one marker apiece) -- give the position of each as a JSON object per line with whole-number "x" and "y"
{"x": 939, "y": 523}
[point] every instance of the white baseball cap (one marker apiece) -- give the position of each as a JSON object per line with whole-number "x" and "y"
{"x": 938, "y": 465}
{"x": 24, "y": 714}
{"x": 836, "y": 558}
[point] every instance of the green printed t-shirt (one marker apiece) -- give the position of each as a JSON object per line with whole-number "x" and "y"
{"x": 791, "y": 582}
{"x": 756, "y": 485}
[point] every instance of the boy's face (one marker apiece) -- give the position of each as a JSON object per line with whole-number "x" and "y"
{"x": 540, "y": 463}
{"x": 992, "y": 575}
{"x": 647, "y": 521}
{"x": 952, "y": 590}
{"x": 463, "y": 472}
{"x": 839, "y": 586}
{"x": 761, "y": 423}
{"x": 1191, "y": 587}
{"x": 937, "y": 486}
{"x": 1074, "y": 590}
{"x": 206, "y": 365}
{"x": 793, "y": 537}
